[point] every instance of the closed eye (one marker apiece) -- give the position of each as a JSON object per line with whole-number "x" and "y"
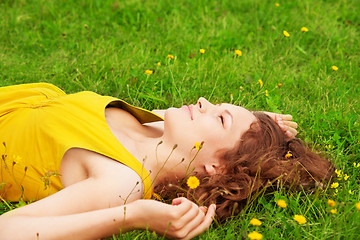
{"x": 221, "y": 119}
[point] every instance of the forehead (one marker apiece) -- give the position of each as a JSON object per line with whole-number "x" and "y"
{"x": 242, "y": 118}
{"x": 237, "y": 110}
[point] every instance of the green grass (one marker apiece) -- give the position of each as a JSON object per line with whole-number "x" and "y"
{"x": 105, "y": 46}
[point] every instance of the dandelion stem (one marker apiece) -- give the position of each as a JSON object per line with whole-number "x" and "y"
{"x": 157, "y": 174}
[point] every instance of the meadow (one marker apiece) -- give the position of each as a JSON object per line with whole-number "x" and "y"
{"x": 299, "y": 57}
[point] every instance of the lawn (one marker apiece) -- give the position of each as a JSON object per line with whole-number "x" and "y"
{"x": 148, "y": 53}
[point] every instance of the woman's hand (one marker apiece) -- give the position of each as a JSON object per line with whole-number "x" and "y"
{"x": 285, "y": 123}
{"x": 181, "y": 220}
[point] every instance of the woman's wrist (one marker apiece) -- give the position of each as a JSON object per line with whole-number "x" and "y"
{"x": 133, "y": 216}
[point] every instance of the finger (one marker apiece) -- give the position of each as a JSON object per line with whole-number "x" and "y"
{"x": 192, "y": 220}
{"x": 183, "y": 205}
{"x": 271, "y": 115}
{"x": 179, "y": 200}
{"x": 285, "y": 117}
{"x": 291, "y": 132}
{"x": 185, "y": 223}
{"x": 190, "y": 225}
{"x": 291, "y": 124}
{"x": 282, "y": 125}
{"x": 205, "y": 224}
{"x": 204, "y": 209}
{"x": 192, "y": 213}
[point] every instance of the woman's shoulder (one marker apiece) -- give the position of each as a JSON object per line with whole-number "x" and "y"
{"x": 118, "y": 182}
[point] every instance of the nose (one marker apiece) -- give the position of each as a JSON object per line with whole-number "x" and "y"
{"x": 203, "y": 104}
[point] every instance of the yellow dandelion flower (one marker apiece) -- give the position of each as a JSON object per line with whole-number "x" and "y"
{"x": 358, "y": 206}
{"x": 193, "y": 182}
{"x": 338, "y": 172}
{"x": 255, "y": 222}
{"x": 304, "y": 29}
{"x": 331, "y": 203}
{"x": 238, "y": 52}
{"x": 335, "y": 68}
{"x": 281, "y": 203}
{"x": 148, "y": 72}
{"x": 351, "y": 192}
{"x": 300, "y": 219}
{"x": 159, "y": 64}
{"x": 288, "y": 155}
{"x": 346, "y": 177}
{"x": 255, "y": 235}
{"x": 279, "y": 85}
{"x": 286, "y": 34}
{"x": 357, "y": 165}
{"x": 277, "y": 4}
{"x": 202, "y": 51}
{"x": 266, "y": 93}
{"x": 334, "y": 185}
{"x": 170, "y": 56}
{"x": 333, "y": 211}
{"x": 261, "y": 83}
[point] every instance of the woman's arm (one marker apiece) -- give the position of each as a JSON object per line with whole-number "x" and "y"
{"x": 101, "y": 205}
{"x": 78, "y": 210}
{"x": 183, "y": 220}
{"x": 87, "y": 225}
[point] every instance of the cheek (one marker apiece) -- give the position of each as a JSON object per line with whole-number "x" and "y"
{"x": 209, "y": 131}
{"x": 172, "y": 119}
{"x": 215, "y": 137}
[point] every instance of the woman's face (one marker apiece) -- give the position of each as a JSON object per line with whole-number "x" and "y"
{"x": 218, "y": 126}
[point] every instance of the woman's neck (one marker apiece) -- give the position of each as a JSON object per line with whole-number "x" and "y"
{"x": 146, "y": 143}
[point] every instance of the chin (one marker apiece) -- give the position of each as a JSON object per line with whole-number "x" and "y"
{"x": 171, "y": 119}
{"x": 176, "y": 125}
{"x": 174, "y": 115}
{"x": 169, "y": 112}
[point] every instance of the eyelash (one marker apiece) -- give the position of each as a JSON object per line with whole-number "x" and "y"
{"x": 222, "y": 119}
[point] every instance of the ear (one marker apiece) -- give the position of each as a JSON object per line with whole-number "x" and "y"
{"x": 212, "y": 167}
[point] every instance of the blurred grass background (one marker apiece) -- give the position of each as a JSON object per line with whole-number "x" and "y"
{"x": 106, "y": 46}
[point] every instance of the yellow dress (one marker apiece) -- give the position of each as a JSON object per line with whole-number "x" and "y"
{"x": 39, "y": 123}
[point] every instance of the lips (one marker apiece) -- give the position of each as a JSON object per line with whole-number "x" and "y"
{"x": 189, "y": 109}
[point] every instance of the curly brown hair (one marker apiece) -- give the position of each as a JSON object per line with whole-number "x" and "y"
{"x": 263, "y": 155}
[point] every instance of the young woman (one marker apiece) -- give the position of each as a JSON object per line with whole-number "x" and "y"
{"x": 91, "y": 163}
